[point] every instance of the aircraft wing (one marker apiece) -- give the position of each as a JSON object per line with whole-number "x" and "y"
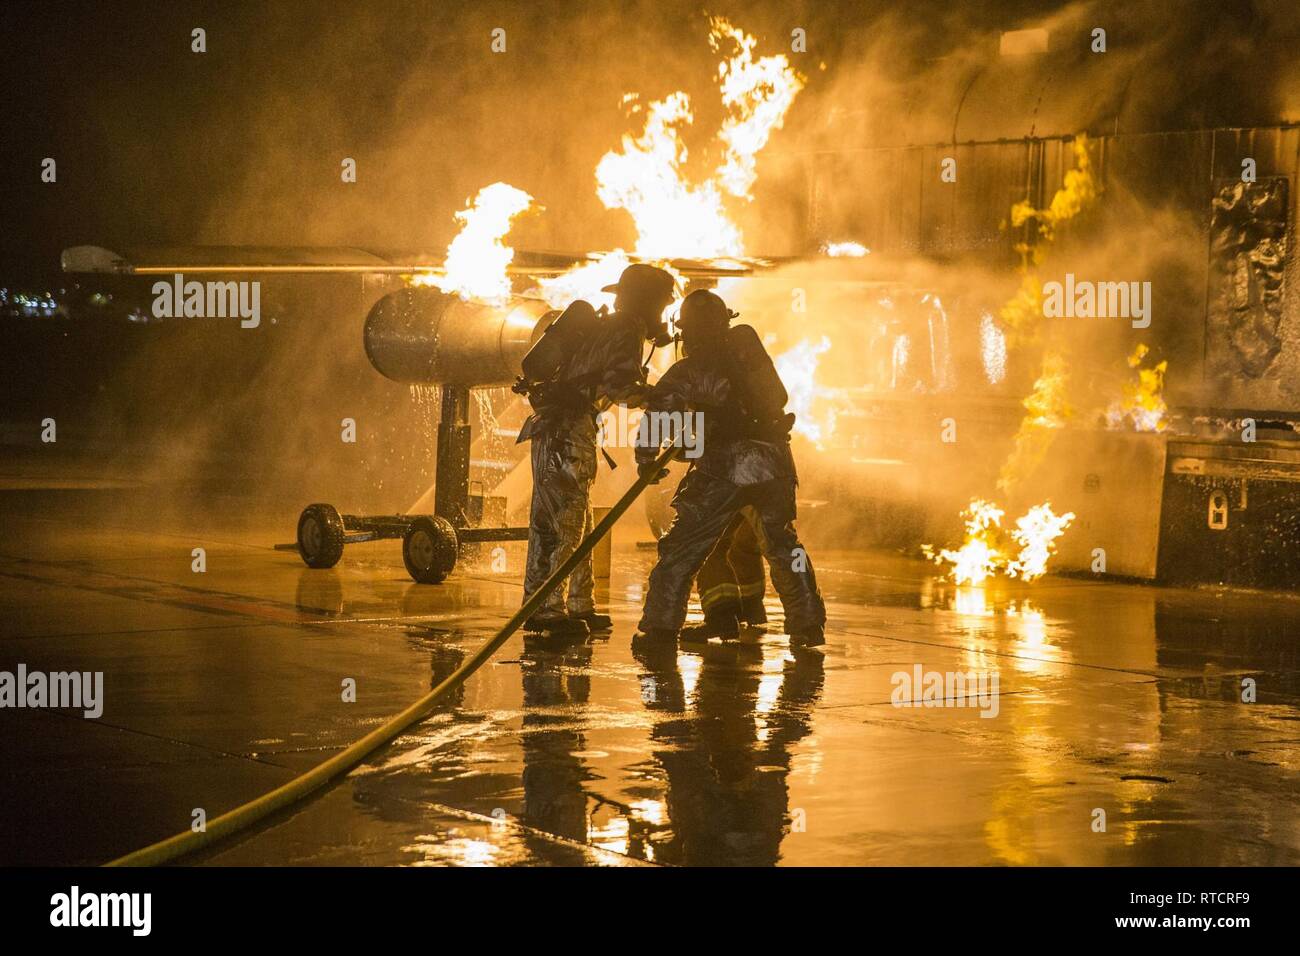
{"x": 166, "y": 260}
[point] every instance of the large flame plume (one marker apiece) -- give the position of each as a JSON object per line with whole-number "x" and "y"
{"x": 674, "y": 218}
{"x": 757, "y": 94}
{"x": 646, "y": 177}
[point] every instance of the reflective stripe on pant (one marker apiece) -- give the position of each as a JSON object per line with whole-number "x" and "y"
{"x": 705, "y": 507}
{"x": 733, "y": 571}
{"x": 564, "y": 467}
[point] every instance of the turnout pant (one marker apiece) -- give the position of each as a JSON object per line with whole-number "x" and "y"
{"x": 705, "y": 507}
{"x": 564, "y": 467}
{"x": 732, "y": 577}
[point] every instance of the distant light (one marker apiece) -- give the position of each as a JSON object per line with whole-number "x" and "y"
{"x": 902, "y": 350}
{"x": 853, "y": 250}
{"x": 993, "y": 350}
{"x": 1022, "y": 42}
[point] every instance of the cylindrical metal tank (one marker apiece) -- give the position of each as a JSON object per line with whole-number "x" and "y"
{"x": 426, "y": 336}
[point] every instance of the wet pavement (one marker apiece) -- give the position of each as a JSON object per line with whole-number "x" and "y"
{"x": 1111, "y": 698}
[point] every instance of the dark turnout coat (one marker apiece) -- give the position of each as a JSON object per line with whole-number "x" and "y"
{"x": 741, "y": 399}
{"x": 745, "y": 463}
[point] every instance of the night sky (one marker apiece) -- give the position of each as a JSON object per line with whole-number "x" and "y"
{"x": 156, "y": 144}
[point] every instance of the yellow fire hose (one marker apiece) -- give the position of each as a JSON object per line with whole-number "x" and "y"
{"x": 244, "y": 816}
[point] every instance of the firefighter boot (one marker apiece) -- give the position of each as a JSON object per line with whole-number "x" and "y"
{"x": 725, "y": 626}
{"x": 752, "y": 612}
{"x": 594, "y": 620}
{"x": 557, "y": 624}
{"x": 813, "y": 636}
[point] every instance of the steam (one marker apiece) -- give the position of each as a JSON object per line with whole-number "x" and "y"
{"x": 430, "y": 115}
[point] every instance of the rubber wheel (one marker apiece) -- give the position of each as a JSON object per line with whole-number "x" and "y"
{"x": 320, "y": 536}
{"x": 429, "y": 549}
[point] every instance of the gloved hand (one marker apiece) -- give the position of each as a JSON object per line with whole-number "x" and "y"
{"x": 539, "y": 394}
{"x": 649, "y": 468}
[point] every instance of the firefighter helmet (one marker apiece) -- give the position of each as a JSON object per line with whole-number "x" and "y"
{"x": 705, "y": 308}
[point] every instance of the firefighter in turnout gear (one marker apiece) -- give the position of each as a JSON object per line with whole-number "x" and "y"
{"x": 584, "y": 362}
{"x": 728, "y": 377}
{"x": 731, "y": 582}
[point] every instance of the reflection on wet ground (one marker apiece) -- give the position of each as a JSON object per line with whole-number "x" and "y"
{"x": 1114, "y": 703}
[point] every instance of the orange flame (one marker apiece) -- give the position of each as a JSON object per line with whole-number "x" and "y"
{"x": 986, "y": 550}
{"x": 674, "y": 217}
{"x": 585, "y": 281}
{"x": 1143, "y": 402}
{"x": 1079, "y": 189}
{"x": 814, "y": 418}
{"x": 1046, "y": 410}
{"x": 757, "y": 95}
{"x": 477, "y": 260}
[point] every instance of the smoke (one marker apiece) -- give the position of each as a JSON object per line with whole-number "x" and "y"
{"x": 248, "y": 148}
{"x": 913, "y": 90}
{"x": 430, "y": 114}
{"x": 910, "y": 350}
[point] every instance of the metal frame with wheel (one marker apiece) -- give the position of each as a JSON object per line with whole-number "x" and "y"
{"x": 430, "y": 543}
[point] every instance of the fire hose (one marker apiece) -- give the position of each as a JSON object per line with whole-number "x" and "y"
{"x": 248, "y": 814}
